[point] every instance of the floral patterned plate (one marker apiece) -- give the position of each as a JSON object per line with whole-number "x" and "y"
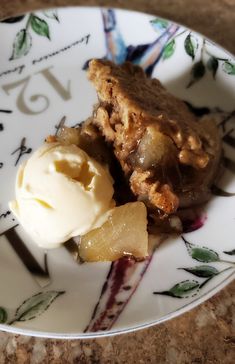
{"x": 42, "y": 78}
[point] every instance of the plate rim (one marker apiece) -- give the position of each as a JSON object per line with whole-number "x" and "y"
{"x": 92, "y": 335}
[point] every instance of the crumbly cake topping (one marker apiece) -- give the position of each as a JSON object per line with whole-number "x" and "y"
{"x": 162, "y": 147}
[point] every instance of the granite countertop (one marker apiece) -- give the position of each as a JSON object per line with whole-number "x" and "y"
{"x": 203, "y": 335}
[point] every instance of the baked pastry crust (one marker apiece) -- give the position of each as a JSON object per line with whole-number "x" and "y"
{"x": 169, "y": 156}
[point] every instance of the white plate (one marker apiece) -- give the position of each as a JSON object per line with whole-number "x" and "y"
{"x": 41, "y": 79}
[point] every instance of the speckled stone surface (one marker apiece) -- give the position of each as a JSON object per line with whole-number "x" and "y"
{"x": 205, "y": 335}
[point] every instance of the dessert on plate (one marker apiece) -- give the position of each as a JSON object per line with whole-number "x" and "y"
{"x": 61, "y": 192}
{"x": 132, "y": 167}
{"x": 168, "y": 155}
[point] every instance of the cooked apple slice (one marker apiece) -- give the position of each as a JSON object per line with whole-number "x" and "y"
{"x": 124, "y": 233}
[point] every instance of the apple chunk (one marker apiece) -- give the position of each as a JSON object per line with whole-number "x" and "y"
{"x": 124, "y": 233}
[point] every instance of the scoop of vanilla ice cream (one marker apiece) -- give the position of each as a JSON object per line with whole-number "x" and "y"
{"x": 60, "y": 193}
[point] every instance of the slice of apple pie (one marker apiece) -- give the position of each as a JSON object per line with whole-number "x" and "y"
{"x": 168, "y": 155}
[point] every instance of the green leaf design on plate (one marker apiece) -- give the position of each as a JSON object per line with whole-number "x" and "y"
{"x": 3, "y": 315}
{"x": 202, "y": 271}
{"x": 201, "y": 254}
{"x": 181, "y": 290}
{"x": 51, "y": 13}
{"x": 212, "y": 65}
{"x": 230, "y": 252}
{"x": 168, "y": 50}
{"x": 36, "y": 305}
{"x": 160, "y": 23}
{"x": 13, "y": 19}
{"x": 229, "y": 68}
{"x": 21, "y": 45}
{"x": 190, "y": 46}
{"x": 40, "y": 26}
{"x": 197, "y": 73}
{"x": 217, "y": 191}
